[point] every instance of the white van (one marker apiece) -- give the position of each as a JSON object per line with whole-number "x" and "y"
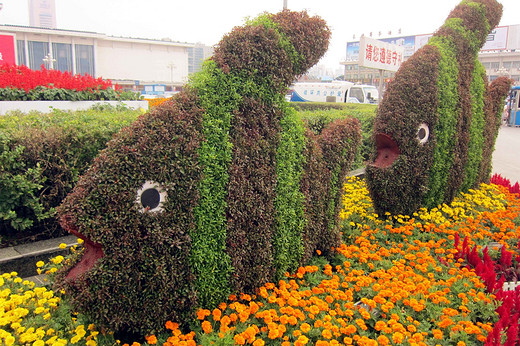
{"x": 336, "y": 91}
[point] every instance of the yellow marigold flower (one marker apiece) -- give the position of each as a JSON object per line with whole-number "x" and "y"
{"x": 40, "y": 264}
{"x": 57, "y": 259}
{"x": 62, "y": 246}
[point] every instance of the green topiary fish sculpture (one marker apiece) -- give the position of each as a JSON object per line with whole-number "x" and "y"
{"x": 436, "y": 127}
{"x": 218, "y": 191}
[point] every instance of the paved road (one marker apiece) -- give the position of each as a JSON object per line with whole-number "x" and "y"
{"x": 506, "y": 157}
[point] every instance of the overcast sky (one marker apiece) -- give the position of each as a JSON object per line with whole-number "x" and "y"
{"x": 206, "y": 21}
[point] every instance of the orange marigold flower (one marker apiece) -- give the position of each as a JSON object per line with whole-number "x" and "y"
{"x": 380, "y": 325}
{"x": 383, "y": 340}
{"x": 397, "y": 337}
{"x": 171, "y": 325}
{"x": 445, "y": 323}
{"x": 152, "y": 339}
{"x": 202, "y": 313}
{"x": 326, "y": 334}
{"x": 302, "y": 340}
{"x": 239, "y": 339}
{"x": 305, "y": 327}
{"x": 216, "y": 313}
{"x": 207, "y": 327}
{"x": 259, "y": 342}
{"x": 437, "y": 334}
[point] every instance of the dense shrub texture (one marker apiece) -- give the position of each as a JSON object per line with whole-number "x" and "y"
{"x": 216, "y": 192}
{"x": 41, "y": 158}
{"x": 435, "y": 130}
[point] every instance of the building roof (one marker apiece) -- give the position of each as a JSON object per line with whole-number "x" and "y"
{"x": 90, "y": 34}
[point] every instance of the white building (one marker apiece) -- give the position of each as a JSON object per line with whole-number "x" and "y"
{"x": 133, "y": 63}
{"x": 500, "y": 56}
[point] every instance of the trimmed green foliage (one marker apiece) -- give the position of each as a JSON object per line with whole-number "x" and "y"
{"x": 290, "y": 221}
{"x": 237, "y": 178}
{"x": 42, "y": 93}
{"x": 410, "y": 100}
{"x": 319, "y": 115}
{"x": 19, "y": 186}
{"x": 459, "y": 148}
{"x": 446, "y": 124}
{"x": 338, "y": 143}
{"x": 475, "y": 147}
{"x": 145, "y": 260}
{"x": 50, "y": 151}
{"x": 211, "y": 265}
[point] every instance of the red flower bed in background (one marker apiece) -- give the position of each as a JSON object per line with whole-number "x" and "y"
{"x": 22, "y": 77}
{"x": 497, "y": 179}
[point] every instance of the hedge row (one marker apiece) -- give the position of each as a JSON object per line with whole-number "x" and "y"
{"x": 35, "y": 182}
{"x": 462, "y": 117}
{"x": 319, "y": 115}
{"x": 246, "y": 192}
{"x": 54, "y": 94}
{"x": 41, "y": 158}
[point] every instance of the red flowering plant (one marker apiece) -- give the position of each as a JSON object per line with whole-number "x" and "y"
{"x": 495, "y": 274}
{"x": 20, "y": 83}
{"x": 498, "y": 179}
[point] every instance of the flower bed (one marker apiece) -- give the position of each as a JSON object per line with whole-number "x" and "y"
{"x": 404, "y": 279}
{"x": 20, "y": 83}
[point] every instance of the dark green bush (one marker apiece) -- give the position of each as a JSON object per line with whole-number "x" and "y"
{"x": 42, "y": 158}
{"x": 442, "y": 87}
{"x": 319, "y": 115}
{"x": 247, "y": 191}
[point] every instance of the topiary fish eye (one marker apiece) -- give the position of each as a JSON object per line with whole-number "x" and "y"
{"x": 423, "y": 133}
{"x": 151, "y": 197}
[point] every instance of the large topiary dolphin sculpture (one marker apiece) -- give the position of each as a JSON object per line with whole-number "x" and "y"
{"x": 217, "y": 191}
{"x": 436, "y": 127}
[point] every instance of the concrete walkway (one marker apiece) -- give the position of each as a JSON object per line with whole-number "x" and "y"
{"x": 506, "y": 157}
{"x": 22, "y": 258}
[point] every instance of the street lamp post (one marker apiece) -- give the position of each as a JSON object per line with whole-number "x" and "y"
{"x": 49, "y": 60}
{"x": 171, "y": 66}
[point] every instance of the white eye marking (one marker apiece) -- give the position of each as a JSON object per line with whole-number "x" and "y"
{"x": 423, "y": 133}
{"x": 151, "y": 197}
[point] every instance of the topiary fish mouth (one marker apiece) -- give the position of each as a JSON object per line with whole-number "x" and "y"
{"x": 387, "y": 151}
{"x": 92, "y": 253}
